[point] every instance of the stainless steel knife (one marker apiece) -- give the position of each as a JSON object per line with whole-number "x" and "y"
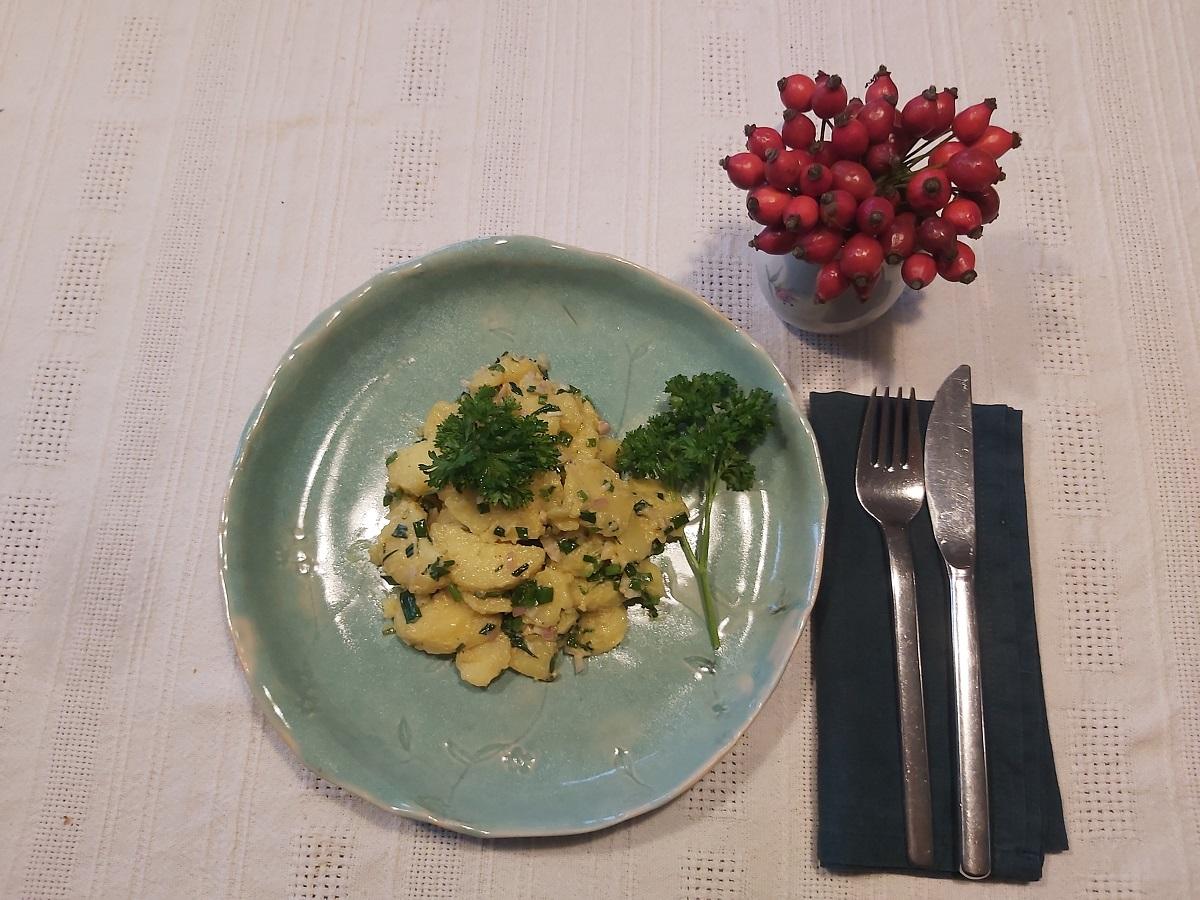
{"x": 950, "y": 489}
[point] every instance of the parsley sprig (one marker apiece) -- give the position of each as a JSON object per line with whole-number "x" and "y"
{"x": 490, "y": 448}
{"x": 704, "y": 439}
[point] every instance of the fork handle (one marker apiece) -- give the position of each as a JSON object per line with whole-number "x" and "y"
{"x": 914, "y": 752}
{"x": 974, "y": 830}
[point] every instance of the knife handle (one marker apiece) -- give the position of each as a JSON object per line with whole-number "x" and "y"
{"x": 914, "y": 751}
{"x": 974, "y": 829}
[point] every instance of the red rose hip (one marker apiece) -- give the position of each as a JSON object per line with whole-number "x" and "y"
{"x": 823, "y": 152}
{"x": 918, "y": 270}
{"x": 796, "y": 92}
{"x": 766, "y": 205}
{"x": 997, "y": 141}
{"x": 815, "y": 180}
{"x": 849, "y": 138}
{"x": 798, "y": 130}
{"x": 862, "y": 257}
{"x": 943, "y": 153}
{"x": 818, "y": 246}
{"x": 970, "y": 124}
{"x": 830, "y": 282}
{"x": 783, "y": 168}
{"x": 774, "y": 240}
{"x": 936, "y": 236}
{"x": 760, "y": 139}
{"x": 874, "y": 215}
{"x": 854, "y": 178}
{"x": 900, "y": 238}
{"x": 973, "y": 170}
{"x": 927, "y": 191}
{"x": 829, "y": 97}
{"x": 988, "y": 200}
{"x": 945, "y": 111}
{"x": 837, "y": 209}
{"x": 801, "y": 214}
{"x": 744, "y": 169}
{"x": 920, "y": 113}
{"x": 882, "y": 87}
{"x": 877, "y": 118}
{"x": 881, "y": 158}
{"x": 961, "y": 268}
{"x": 964, "y": 215}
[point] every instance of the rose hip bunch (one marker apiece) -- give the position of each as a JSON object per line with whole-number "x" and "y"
{"x": 883, "y": 183}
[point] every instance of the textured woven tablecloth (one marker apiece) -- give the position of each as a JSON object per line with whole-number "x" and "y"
{"x": 184, "y": 185}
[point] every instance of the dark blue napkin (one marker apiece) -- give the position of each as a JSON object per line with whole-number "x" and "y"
{"x": 861, "y": 816}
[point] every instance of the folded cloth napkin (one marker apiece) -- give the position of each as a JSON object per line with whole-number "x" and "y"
{"x": 861, "y": 815}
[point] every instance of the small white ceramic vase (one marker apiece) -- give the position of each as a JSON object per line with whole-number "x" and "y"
{"x": 789, "y": 286}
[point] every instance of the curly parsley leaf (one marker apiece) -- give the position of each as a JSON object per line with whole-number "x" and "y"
{"x": 487, "y": 446}
{"x": 703, "y": 440}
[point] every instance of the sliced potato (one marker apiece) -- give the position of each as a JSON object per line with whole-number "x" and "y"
{"x": 606, "y": 451}
{"x": 445, "y": 625}
{"x": 548, "y": 614}
{"x": 404, "y": 472}
{"x": 483, "y": 566}
{"x": 574, "y": 562}
{"x": 595, "y": 495}
{"x": 497, "y": 522}
{"x": 538, "y": 665}
{"x": 604, "y": 628}
{"x": 595, "y": 595}
{"x": 481, "y": 664}
{"x": 438, "y": 413}
{"x": 406, "y": 558}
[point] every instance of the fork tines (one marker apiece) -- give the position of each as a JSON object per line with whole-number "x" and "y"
{"x": 891, "y": 433}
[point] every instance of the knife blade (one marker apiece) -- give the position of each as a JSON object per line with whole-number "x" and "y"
{"x": 950, "y": 491}
{"x": 950, "y": 469}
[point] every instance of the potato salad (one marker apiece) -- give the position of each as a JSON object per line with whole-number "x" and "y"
{"x": 511, "y": 538}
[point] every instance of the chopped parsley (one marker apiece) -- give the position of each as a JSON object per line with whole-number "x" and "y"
{"x": 410, "y": 550}
{"x": 420, "y": 528}
{"x": 391, "y": 458}
{"x": 488, "y": 628}
{"x": 498, "y": 531}
{"x": 582, "y": 495}
{"x": 484, "y": 508}
{"x": 522, "y": 533}
{"x": 512, "y": 386}
{"x": 530, "y": 593}
{"x": 639, "y": 506}
{"x": 408, "y": 605}
{"x": 439, "y": 569}
{"x": 520, "y": 570}
{"x": 497, "y": 366}
{"x": 511, "y": 626}
{"x": 591, "y": 442}
{"x": 489, "y": 447}
{"x": 400, "y": 531}
{"x": 545, "y": 408}
{"x": 588, "y": 516}
{"x": 453, "y": 591}
{"x": 568, "y": 545}
{"x": 388, "y": 496}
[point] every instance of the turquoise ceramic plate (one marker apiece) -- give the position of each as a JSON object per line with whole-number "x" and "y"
{"x": 398, "y": 727}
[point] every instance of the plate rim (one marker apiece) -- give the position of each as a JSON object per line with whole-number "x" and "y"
{"x": 325, "y": 318}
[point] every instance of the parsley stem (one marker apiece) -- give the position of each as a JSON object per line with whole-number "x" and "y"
{"x": 706, "y": 597}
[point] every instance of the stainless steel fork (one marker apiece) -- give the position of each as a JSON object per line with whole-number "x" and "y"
{"x": 890, "y": 481}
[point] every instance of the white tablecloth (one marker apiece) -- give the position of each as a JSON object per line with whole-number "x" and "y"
{"x": 184, "y": 185}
